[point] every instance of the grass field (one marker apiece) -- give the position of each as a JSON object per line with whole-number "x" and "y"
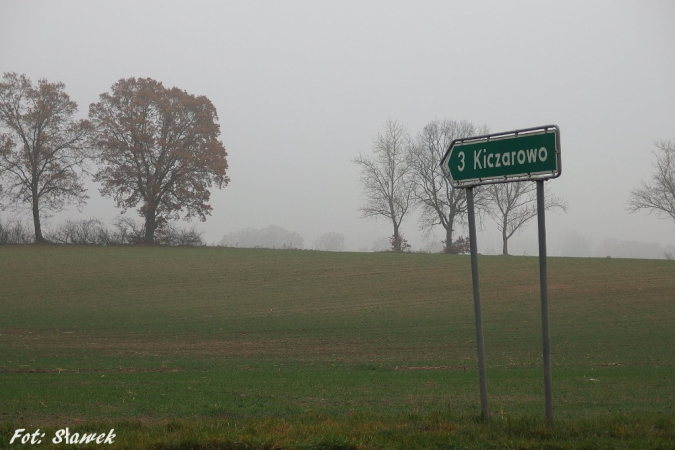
{"x": 180, "y": 348}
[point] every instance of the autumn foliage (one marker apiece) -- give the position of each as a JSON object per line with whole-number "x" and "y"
{"x": 159, "y": 150}
{"x": 42, "y": 146}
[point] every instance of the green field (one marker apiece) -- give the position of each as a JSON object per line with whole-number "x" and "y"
{"x": 181, "y": 348}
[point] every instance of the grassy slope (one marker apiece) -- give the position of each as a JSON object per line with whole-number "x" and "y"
{"x": 108, "y": 334}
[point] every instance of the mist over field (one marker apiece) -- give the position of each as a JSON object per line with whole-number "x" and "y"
{"x": 301, "y": 88}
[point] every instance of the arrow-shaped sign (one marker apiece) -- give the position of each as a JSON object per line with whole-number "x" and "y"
{"x": 520, "y": 155}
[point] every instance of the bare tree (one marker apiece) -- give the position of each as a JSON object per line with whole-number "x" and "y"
{"x": 128, "y": 231}
{"x": 514, "y": 204}
{"x": 172, "y": 235}
{"x": 387, "y": 178}
{"x": 440, "y": 203}
{"x": 43, "y": 147}
{"x": 81, "y": 231}
{"x": 659, "y": 195}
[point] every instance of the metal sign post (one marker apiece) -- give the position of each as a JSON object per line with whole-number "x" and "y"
{"x": 476, "y": 306}
{"x": 529, "y": 154}
{"x": 541, "y": 219}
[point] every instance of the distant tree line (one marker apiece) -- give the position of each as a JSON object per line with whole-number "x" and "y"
{"x": 154, "y": 149}
{"x": 157, "y": 150}
{"x": 124, "y": 231}
{"x": 275, "y": 236}
{"x": 403, "y": 173}
{"x": 271, "y": 237}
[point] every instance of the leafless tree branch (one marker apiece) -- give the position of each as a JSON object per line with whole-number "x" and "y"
{"x": 659, "y": 195}
{"x": 512, "y": 205}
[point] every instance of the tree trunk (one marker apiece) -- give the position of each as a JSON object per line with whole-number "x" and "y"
{"x": 150, "y": 226}
{"x": 39, "y": 239}
{"x": 397, "y": 239}
{"x": 505, "y": 240}
{"x": 448, "y": 240}
{"x": 448, "y": 233}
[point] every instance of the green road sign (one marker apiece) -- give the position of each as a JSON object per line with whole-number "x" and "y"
{"x": 520, "y": 155}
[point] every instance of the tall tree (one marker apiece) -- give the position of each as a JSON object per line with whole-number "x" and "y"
{"x": 659, "y": 195}
{"x": 440, "y": 203}
{"x": 386, "y": 177}
{"x": 514, "y": 204}
{"x": 42, "y": 146}
{"x": 158, "y": 148}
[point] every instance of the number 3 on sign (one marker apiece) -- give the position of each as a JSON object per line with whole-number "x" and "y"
{"x": 461, "y": 162}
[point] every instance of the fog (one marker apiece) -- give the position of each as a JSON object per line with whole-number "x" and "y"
{"x": 301, "y": 87}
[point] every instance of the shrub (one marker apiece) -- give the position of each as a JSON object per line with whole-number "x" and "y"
{"x": 15, "y": 231}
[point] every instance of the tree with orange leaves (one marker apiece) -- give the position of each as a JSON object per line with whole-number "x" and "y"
{"x": 157, "y": 149}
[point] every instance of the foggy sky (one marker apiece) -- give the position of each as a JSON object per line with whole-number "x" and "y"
{"x": 301, "y": 87}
